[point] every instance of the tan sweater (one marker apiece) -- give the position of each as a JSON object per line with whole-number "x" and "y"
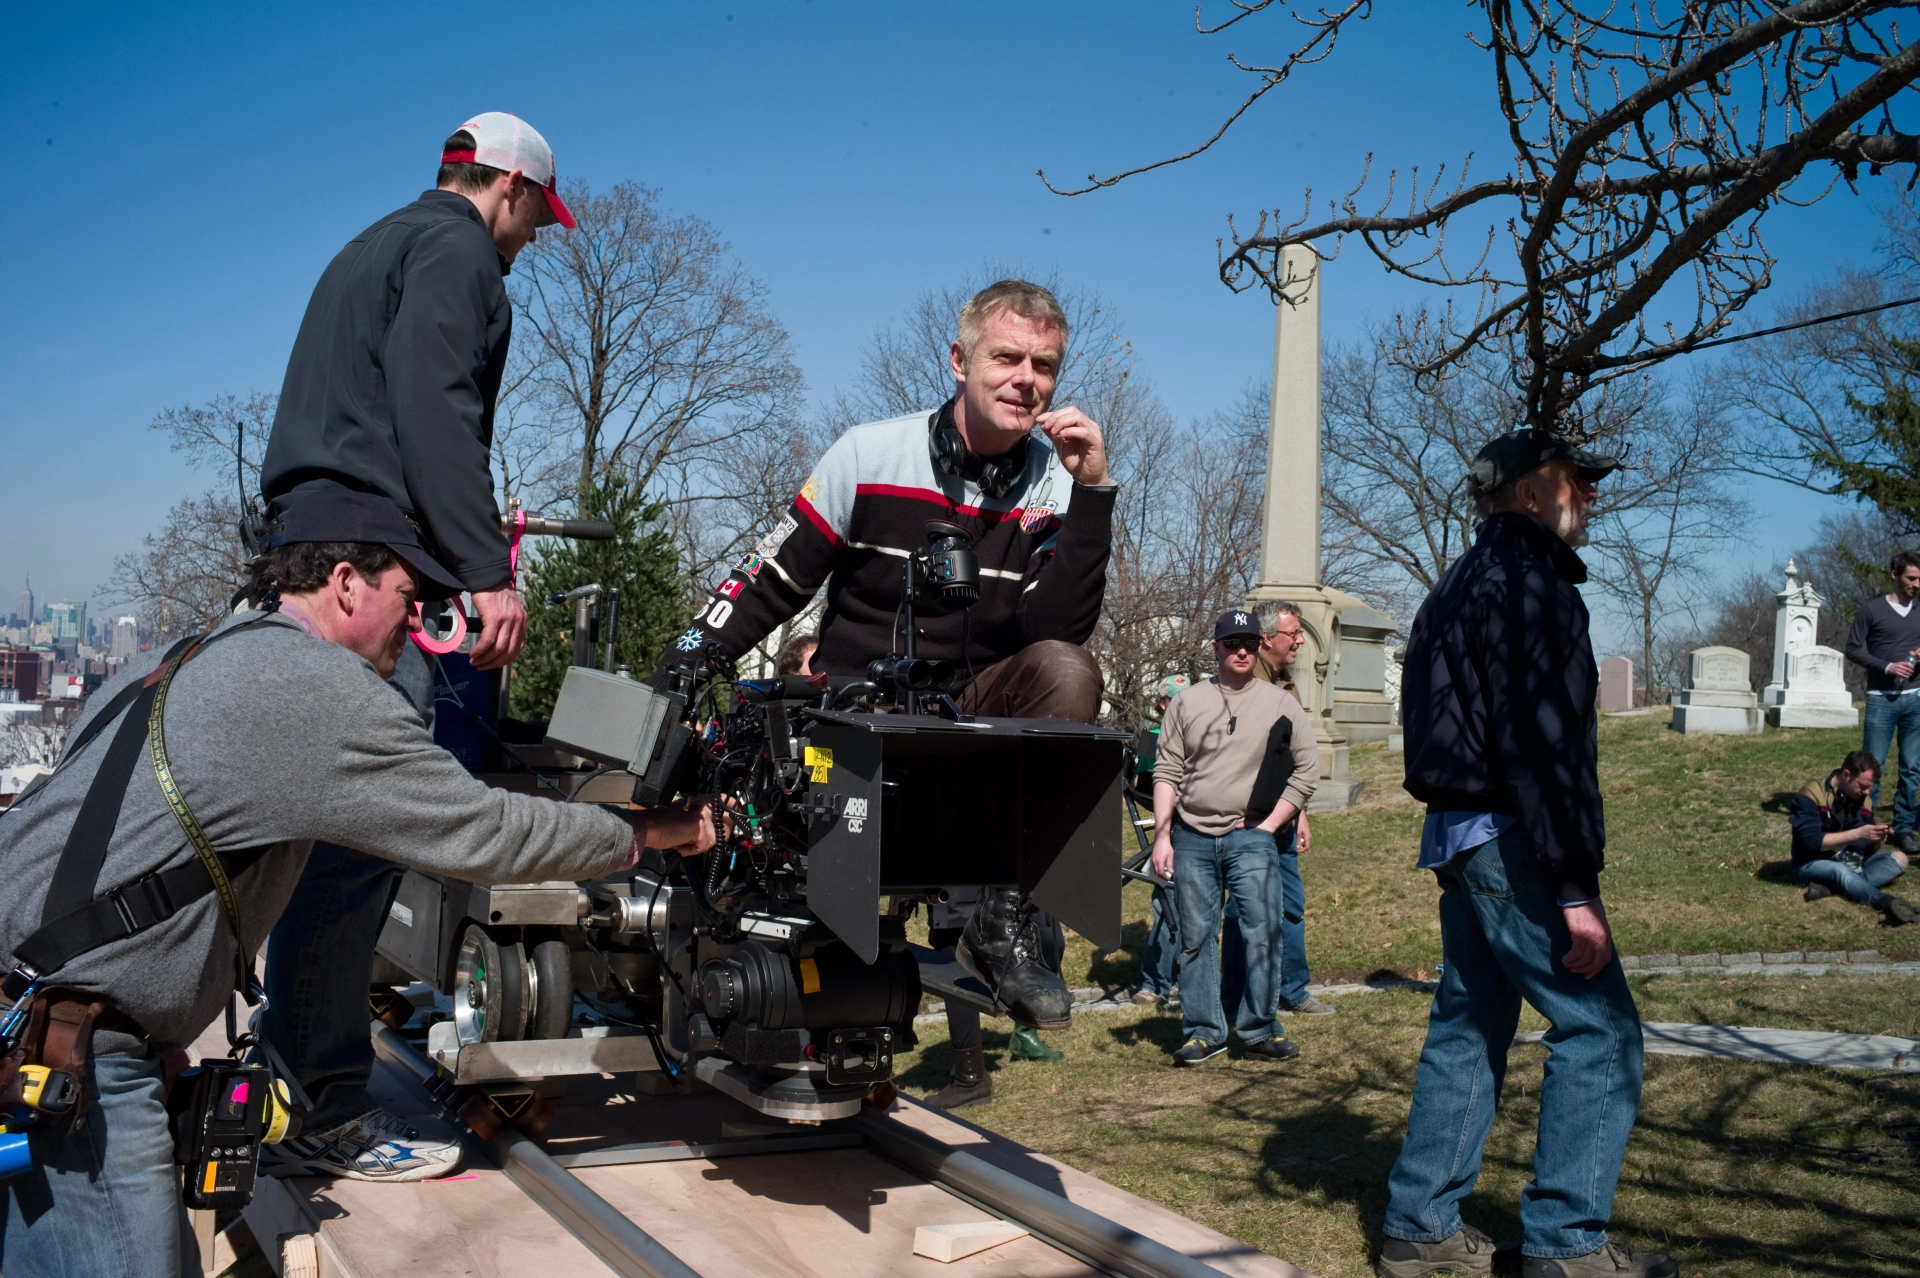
{"x": 1214, "y": 768}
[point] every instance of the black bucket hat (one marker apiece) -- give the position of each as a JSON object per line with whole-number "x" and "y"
{"x": 330, "y": 512}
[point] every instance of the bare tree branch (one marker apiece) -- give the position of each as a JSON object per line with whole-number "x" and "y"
{"x": 1647, "y": 146}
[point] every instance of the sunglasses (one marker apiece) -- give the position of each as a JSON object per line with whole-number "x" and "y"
{"x": 1240, "y": 643}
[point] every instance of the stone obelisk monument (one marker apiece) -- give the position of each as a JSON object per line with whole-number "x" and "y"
{"x": 1341, "y": 669}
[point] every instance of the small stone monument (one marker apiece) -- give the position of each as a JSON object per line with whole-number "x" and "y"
{"x": 1616, "y": 684}
{"x": 1718, "y": 699}
{"x": 1809, "y": 688}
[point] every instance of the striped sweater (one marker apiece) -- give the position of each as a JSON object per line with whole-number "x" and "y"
{"x": 1043, "y": 550}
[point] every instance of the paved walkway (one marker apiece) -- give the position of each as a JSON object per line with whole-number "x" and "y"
{"x": 1777, "y": 1046}
{"x": 1119, "y": 998}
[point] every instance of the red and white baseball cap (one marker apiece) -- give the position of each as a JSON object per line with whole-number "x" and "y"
{"x": 507, "y": 142}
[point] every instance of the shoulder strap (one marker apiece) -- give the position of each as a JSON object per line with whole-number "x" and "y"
{"x": 73, "y": 920}
{"x": 108, "y": 713}
{"x": 202, "y": 846}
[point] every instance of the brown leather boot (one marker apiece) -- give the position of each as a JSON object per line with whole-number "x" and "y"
{"x": 970, "y": 1085}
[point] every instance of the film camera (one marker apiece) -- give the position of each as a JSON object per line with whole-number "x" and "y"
{"x": 772, "y": 967}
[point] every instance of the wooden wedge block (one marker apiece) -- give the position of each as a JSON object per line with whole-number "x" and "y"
{"x": 948, "y": 1243}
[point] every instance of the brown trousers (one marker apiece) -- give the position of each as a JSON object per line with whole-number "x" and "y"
{"x": 1051, "y": 678}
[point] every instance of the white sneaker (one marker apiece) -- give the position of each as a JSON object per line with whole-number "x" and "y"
{"x": 374, "y": 1146}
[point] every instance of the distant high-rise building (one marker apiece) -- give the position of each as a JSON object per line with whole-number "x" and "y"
{"x": 126, "y": 637}
{"x": 25, "y": 604}
{"x": 69, "y": 622}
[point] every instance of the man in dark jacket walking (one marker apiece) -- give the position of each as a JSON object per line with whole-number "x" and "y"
{"x": 391, "y": 390}
{"x": 1498, "y": 703}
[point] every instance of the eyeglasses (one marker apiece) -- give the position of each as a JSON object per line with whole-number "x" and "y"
{"x": 1240, "y": 643}
{"x": 1285, "y": 634}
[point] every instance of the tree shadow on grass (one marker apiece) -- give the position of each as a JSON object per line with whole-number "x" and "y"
{"x": 1746, "y": 1168}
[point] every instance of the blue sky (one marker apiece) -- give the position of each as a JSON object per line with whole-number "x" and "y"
{"x": 182, "y": 175}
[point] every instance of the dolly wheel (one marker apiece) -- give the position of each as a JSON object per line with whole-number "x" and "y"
{"x": 551, "y": 970}
{"x": 489, "y": 988}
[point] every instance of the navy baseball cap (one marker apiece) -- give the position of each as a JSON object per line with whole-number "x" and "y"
{"x": 330, "y": 512}
{"x": 1237, "y": 622}
{"x": 1505, "y": 458}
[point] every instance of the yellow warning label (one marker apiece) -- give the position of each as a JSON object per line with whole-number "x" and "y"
{"x": 820, "y": 760}
{"x": 213, "y": 1174}
{"x": 809, "y": 976}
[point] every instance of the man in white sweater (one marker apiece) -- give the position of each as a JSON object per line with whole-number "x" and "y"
{"x": 1229, "y": 775}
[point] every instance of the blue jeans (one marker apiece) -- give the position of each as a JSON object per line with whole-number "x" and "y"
{"x": 1162, "y": 955}
{"x": 103, "y": 1200}
{"x": 1242, "y": 864}
{"x": 320, "y": 955}
{"x": 319, "y": 969}
{"x": 1286, "y": 912}
{"x": 1862, "y": 885}
{"x": 1885, "y": 715}
{"x": 1503, "y": 938}
{"x": 1293, "y": 976}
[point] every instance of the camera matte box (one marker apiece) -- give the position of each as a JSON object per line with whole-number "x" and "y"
{"x": 902, "y": 803}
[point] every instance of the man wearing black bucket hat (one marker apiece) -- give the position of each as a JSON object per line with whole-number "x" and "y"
{"x": 143, "y": 874}
{"x": 1498, "y": 703}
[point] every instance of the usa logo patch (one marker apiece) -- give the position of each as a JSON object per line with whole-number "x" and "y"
{"x": 1035, "y": 516}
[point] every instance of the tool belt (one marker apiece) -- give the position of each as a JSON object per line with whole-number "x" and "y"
{"x": 59, "y": 1035}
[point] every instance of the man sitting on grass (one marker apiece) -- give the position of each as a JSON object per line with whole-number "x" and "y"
{"x": 1837, "y": 845}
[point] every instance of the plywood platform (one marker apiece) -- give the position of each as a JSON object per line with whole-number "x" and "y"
{"x": 834, "y": 1213}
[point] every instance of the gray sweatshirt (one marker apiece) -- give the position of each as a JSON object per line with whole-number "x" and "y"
{"x": 1214, "y": 768}
{"x": 276, "y": 738}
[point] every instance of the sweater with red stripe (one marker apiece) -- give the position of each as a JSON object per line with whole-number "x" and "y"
{"x": 1043, "y": 550}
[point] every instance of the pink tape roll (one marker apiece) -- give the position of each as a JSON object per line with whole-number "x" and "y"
{"x": 441, "y": 647}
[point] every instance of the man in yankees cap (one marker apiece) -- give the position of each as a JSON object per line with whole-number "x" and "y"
{"x": 390, "y": 390}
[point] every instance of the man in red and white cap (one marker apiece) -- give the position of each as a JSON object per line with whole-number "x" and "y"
{"x": 390, "y": 389}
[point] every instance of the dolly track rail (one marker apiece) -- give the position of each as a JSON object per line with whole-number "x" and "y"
{"x": 626, "y": 1248}
{"x": 1067, "y": 1225}
{"x": 631, "y": 1251}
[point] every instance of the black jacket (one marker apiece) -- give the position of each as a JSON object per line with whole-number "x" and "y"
{"x": 393, "y": 377}
{"x": 1498, "y": 695}
{"x": 1042, "y": 548}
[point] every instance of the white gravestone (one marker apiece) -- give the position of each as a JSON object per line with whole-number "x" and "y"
{"x": 1809, "y": 688}
{"x": 1616, "y": 684}
{"x": 1718, "y": 699}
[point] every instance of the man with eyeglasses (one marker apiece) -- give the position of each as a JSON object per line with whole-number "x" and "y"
{"x": 1227, "y": 777}
{"x": 1280, "y": 638}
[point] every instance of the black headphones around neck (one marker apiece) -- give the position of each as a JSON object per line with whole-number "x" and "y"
{"x": 995, "y": 476}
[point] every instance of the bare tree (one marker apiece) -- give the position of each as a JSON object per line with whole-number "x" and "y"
{"x": 1664, "y": 518}
{"x": 32, "y": 743}
{"x": 1393, "y": 469}
{"x": 226, "y": 436}
{"x": 647, "y": 347}
{"x": 1647, "y": 146}
{"x": 184, "y": 575}
{"x": 1795, "y": 394}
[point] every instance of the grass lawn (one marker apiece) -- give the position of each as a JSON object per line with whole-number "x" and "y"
{"x": 1735, "y": 1168}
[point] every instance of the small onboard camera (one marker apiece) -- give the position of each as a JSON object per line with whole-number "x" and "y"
{"x": 769, "y": 967}
{"x": 949, "y": 571}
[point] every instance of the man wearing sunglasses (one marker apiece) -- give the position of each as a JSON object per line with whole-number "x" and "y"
{"x": 1215, "y": 829}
